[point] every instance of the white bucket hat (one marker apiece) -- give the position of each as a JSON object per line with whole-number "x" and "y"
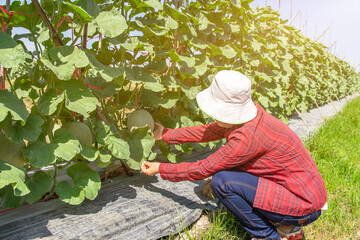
{"x": 228, "y": 99}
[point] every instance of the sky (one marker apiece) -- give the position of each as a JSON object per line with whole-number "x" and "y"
{"x": 315, "y": 16}
{"x": 342, "y": 16}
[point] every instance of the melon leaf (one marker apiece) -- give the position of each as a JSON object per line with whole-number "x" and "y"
{"x": 110, "y": 23}
{"x": 9, "y": 103}
{"x": 141, "y": 141}
{"x": 30, "y": 131}
{"x": 67, "y": 145}
{"x": 8, "y": 199}
{"x": 68, "y": 193}
{"x": 78, "y": 98}
{"x": 14, "y": 176}
{"x": 86, "y": 179}
{"x": 89, "y": 153}
{"x": 118, "y": 147}
{"x": 11, "y": 53}
{"x": 49, "y": 101}
{"x": 38, "y": 184}
{"x": 40, "y": 153}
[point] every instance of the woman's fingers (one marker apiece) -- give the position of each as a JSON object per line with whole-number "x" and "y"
{"x": 150, "y": 168}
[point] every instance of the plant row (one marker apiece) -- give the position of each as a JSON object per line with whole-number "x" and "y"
{"x": 104, "y": 59}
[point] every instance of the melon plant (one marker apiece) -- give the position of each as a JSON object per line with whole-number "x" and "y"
{"x": 80, "y": 131}
{"x": 11, "y": 152}
{"x": 140, "y": 118}
{"x": 154, "y": 55}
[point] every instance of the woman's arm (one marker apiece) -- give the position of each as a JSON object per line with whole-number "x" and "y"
{"x": 236, "y": 152}
{"x": 201, "y": 133}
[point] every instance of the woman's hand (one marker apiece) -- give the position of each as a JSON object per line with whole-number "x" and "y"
{"x": 158, "y": 131}
{"x": 150, "y": 168}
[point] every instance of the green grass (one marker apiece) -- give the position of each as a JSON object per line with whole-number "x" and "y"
{"x": 225, "y": 226}
{"x": 336, "y": 150}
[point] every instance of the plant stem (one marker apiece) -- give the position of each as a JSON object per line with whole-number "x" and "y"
{"x": 36, "y": 45}
{"x": 56, "y": 118}
{"x": 65, "y": 165}
{"x": 77, "y": 37}
{"x": 11, "y": 86}
{"x": 52, "y": 191}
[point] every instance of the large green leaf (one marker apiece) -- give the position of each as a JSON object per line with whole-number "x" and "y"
{"x": 101, "y": 88}
{"x": 67, "y": 145}
{"x": 175, "y": 14}
{"x": 78, "y": 98}
{"x": 139, "y": 75}
{"x": 85, "y": 178}
{"x": 154, "y": 3}
{"x": 104, "y": 160}
{"x": 175, "y": 57}
{"x": 191, "y": 92}
{"x": 171, "y": 23}
{"x": 215, "y": 50}
{"x": 38, "y": 184}
{"x": 49, "y": 101}
{"x": 40, "y": 153}
{"x": 203, "y": 21}
{"x": 154, "y": 99}
{"x": 111, "y": 23}
{"x": 30, "y": 131}
{"x": 141, "y": 142}
{"x": 118, "y": 146}
{"x": 69, "y": 193}
{"x": 171, "y": 82}
{"x": 67, "y": 59}
{"x": 106, "y": 72}
{"x": 89, "y": 153}
{"x": 78, "y": 11}
{"x": 228, "y": 51}
{"x": 9, "y": 103}
{"x": 89, "y": 6}
{"x": 263, "y": 77}
{"x": 14, "y": 176}
{"x": 12, "y": 54}
{"x": 8, "y": 199}
{"x": 69, "y": 55}
{"x": 169, "y": 99}
{"x": 63, "y": 72}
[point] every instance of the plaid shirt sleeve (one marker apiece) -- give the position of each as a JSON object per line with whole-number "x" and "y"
{"x": 201, "y": 133}
{"x": 239, "y": 149}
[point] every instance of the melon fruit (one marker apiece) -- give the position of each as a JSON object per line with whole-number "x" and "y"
{"x": 11, "y": 152}
{"x": 140, "y": 118}
{"x": 80, "y": 131}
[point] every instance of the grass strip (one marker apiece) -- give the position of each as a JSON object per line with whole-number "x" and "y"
{"x": 336, "y": 150}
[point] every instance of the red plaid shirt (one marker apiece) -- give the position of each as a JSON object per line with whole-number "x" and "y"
{"x": 289, "y": 181}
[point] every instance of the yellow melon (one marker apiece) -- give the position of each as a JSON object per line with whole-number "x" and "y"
{"x": 80, "y": 131}
{"x": 140, "y": 118}
{"x": 11, "y": 152}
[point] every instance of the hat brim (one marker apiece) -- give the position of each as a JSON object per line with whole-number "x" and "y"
{"x": 226, "y": 112}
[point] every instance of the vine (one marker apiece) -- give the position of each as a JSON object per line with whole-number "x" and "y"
{"x": 104, "y": 59}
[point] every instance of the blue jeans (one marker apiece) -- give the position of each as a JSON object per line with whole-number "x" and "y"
{"x": 236, "y": 191}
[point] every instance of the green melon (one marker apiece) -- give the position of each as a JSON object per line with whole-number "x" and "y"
{"x": 11, "y": 152}
{"x": 80, "y": 131}
{"x": 140, "y": 118}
